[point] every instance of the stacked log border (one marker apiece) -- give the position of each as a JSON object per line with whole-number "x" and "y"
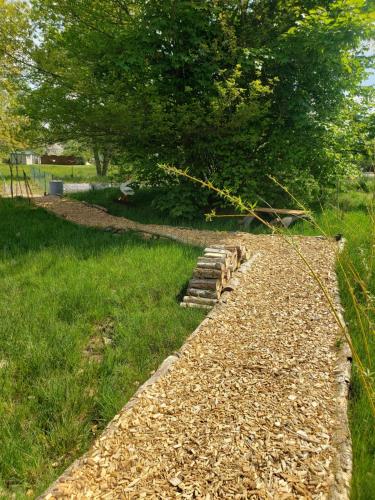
{"x": 213, "y": 272}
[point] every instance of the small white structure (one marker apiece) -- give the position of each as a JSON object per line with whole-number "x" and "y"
{"x": 125, "y": 188}
{"x": 24, "y": 158}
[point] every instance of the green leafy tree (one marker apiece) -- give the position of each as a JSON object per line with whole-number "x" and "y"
{"x": 233, "y": 90}
{"x": 75, "y": 90}
{"x": 251, "y": 90}
{"x": 14, "y": 30}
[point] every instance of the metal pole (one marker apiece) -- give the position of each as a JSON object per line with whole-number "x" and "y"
{"x": 18, "y": 179}
{"x": 27, "y": 187}
{"x": 11, "y": 180}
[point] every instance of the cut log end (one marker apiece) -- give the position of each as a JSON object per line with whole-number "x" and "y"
{"x": 213, "y": 275}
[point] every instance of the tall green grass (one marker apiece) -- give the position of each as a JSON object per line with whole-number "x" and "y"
{"x": 356, "y": 273}
{"x": 85, "y": 316}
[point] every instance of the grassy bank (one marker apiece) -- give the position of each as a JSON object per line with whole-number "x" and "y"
{"x": 85, "y": 317}
{"x": 356, "y": 272}
{"x": 351, "y": 215}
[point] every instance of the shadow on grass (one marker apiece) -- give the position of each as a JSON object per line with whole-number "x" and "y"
{"x": 27, "y": 228}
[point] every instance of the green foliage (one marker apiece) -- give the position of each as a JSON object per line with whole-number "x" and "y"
{"x": 14, "y": 31}
{"x": 181, "y": 201}
{"x": 233, "y": 92}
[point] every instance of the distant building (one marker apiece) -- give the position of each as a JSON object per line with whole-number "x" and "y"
{"x": 62, "y": 160}
{"x": 24, "y": 158}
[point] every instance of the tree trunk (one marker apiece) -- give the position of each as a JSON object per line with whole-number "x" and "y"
{"x": 106, "y": 160}
{"x": 98, "y": 163}
{"x": 102, "y": 159}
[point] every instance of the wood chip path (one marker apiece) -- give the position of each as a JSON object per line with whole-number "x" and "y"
{"x": 251, "y": 408}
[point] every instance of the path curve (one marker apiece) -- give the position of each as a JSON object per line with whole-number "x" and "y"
{"x": 252, "y": 407}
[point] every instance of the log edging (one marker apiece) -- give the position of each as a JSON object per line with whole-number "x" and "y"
{"x": 343, "y": 464}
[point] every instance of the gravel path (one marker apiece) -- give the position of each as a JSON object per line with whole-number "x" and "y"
{"x": 250, "y": 409}
{"x": 85, "y": 214}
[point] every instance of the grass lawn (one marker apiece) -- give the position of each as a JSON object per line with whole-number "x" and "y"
{"x": 67, "y": 173}
{"x": 85, "y": 317}
{"x": 353, "y": 220}
{"x": 72, "y": 173}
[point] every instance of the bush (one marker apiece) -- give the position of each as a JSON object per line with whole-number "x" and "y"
{"x": 181, "y": 201}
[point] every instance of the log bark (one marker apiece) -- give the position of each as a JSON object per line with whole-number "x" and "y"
{"x": 216, "y": 255}
{"x": 211, "y": 265}
{"x": 222, "y": 251}
{"x": 233, "y": 262}
{"x": 208, "y": 260}
{"x": 217, "y": 258}
{"x": 198, "y": 306}
{"x": 199, "y": 300}
{"x": 207, "y": 294}
{"x": 205, "y": 284}
{"x": 227, "y": 275}
{"x": 208, "y": 273}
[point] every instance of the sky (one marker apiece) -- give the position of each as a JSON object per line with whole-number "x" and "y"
{"x": 370, "y": 80}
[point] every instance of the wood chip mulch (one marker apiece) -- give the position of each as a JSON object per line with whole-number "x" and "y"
{"x": 249, "y": 409}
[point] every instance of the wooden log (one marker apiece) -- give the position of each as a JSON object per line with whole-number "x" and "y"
{"x": 227, "y": 275}
{"x": 208, "y": 273}
{"x": 216, "y": 258}
{"x": 222, "y": 259}
{"x": 240, "y": 251}
{"x": 231, "y": 285}
{"x": 205, "y": 284}
{"x": 199, "y": 300}
{"x": 245, "y": 253}
{"x": 233, "y": 248}
{"x": 215, "y": 255}
{"x": 233, "y": 262}
{"x": 197, "y": 306}
{"x": 223, "y": 251}
{"x": 207, "y": 294}
{"x": 210, "y": 265}
{"x": 202, "y": 260}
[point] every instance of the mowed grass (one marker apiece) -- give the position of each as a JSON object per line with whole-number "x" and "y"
{"x": 86, "y": 316}
{"x": 67, "y": 173}
{"x": 351, "y": 215}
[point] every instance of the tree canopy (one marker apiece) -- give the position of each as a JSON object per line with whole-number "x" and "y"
{"x": 233, "y": 90}
{"x": 13, "y": 36}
